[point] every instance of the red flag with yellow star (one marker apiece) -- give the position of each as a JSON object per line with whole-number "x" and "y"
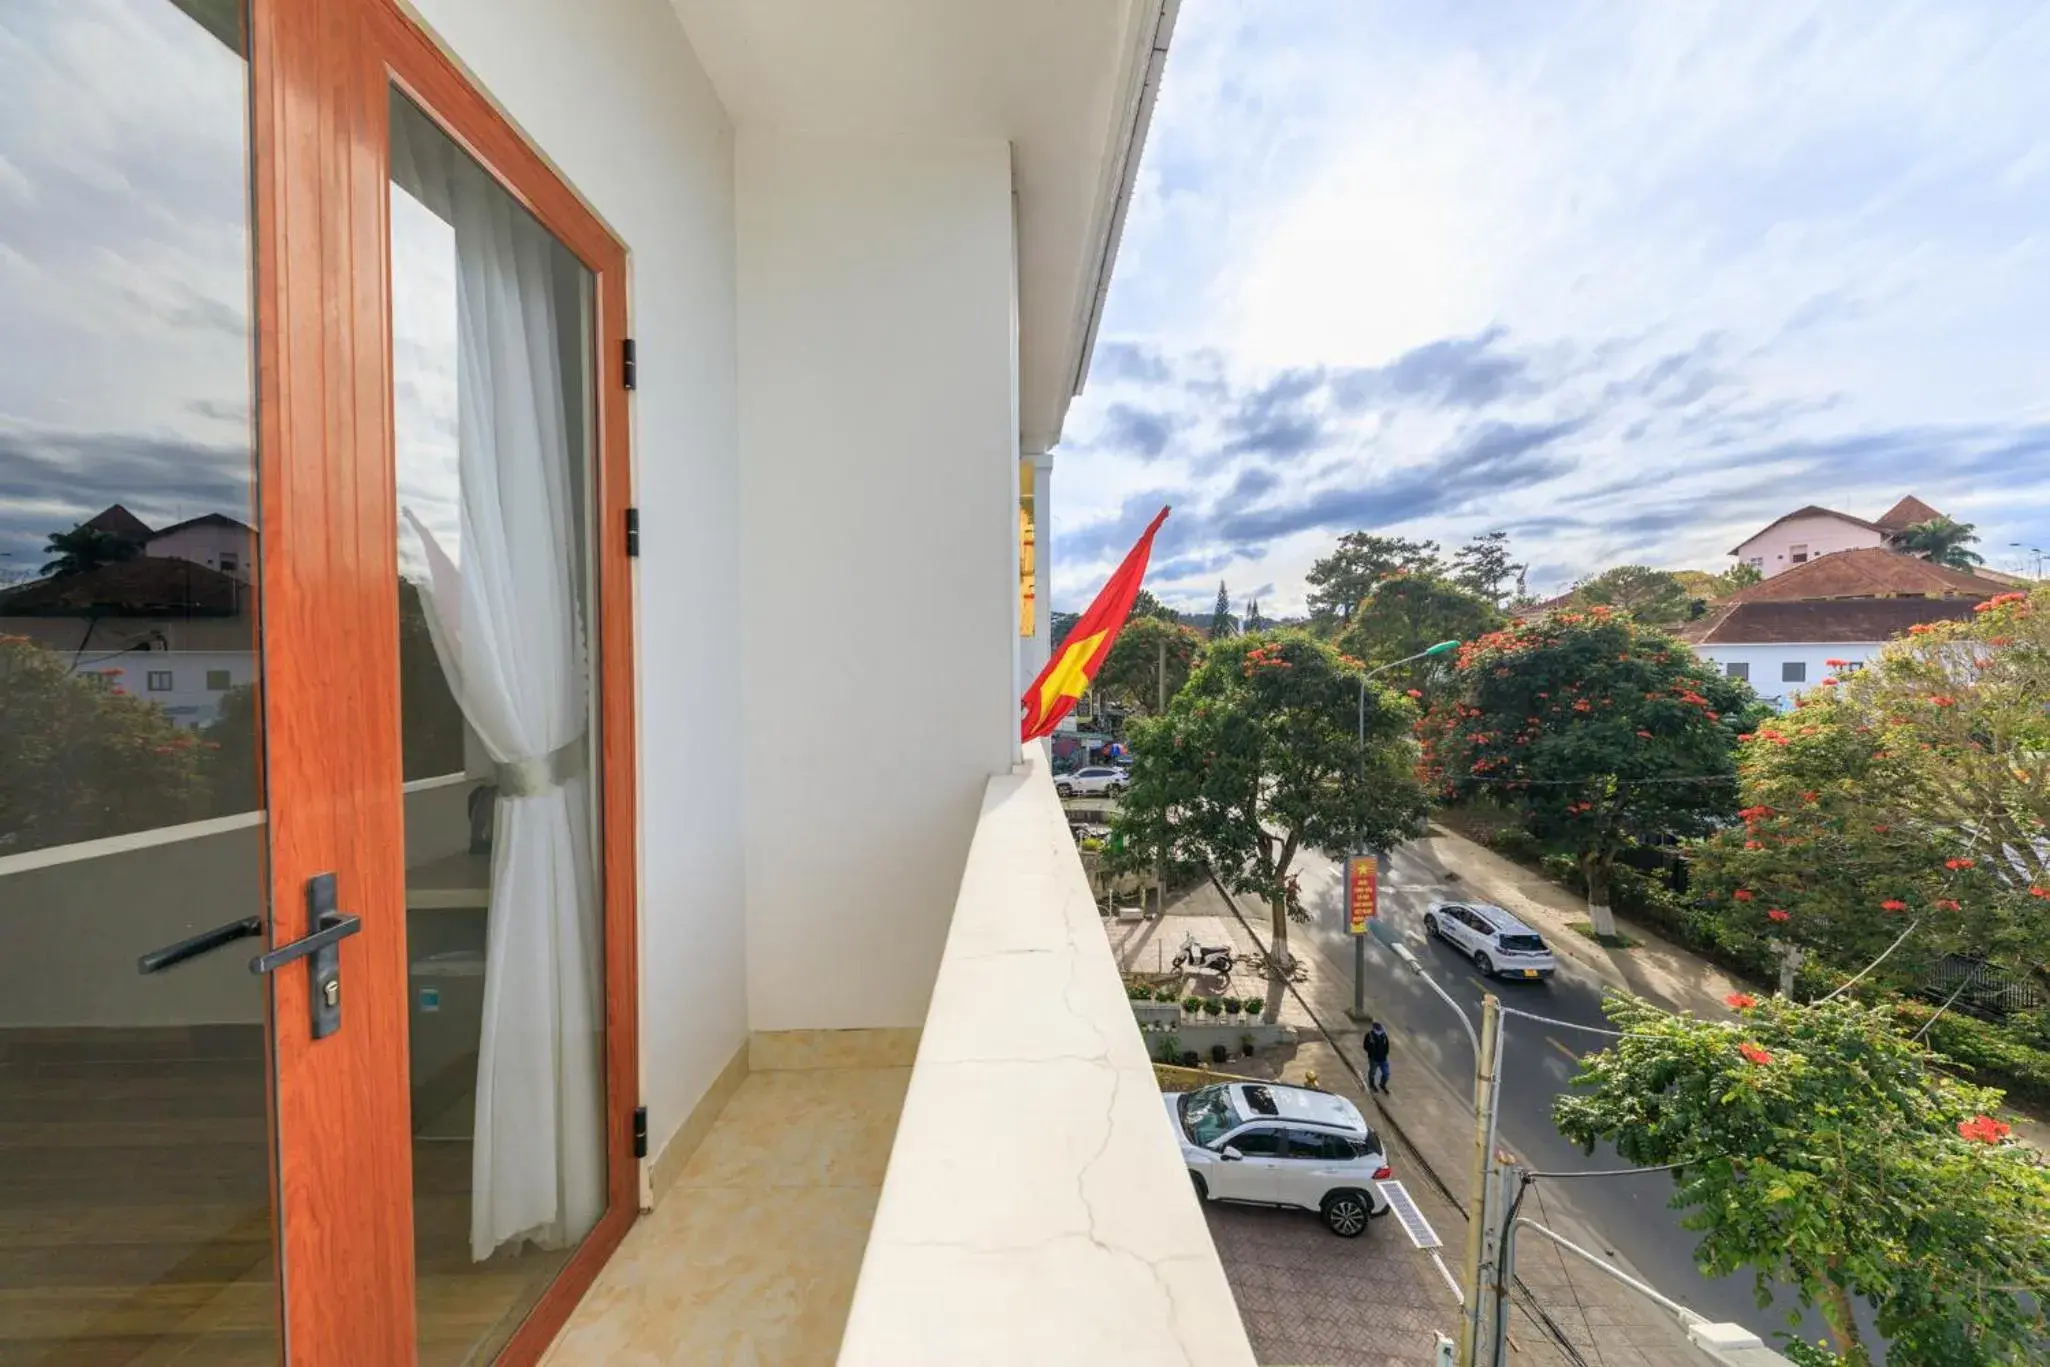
{"x": 1087, "y": 645}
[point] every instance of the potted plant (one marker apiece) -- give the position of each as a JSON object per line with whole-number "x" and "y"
{"x": 1165, "y": 994}
{"x": 1213, "y": 1008}
{"x": 1170, "y": 1050}
{"x": 1189, "y": 1058}
{"x": 1232, "y": 1006}
{"x": 1192, "y": 1006}
{"x": 1246, "y": 1043}
{"x": 1220, "y": 1053}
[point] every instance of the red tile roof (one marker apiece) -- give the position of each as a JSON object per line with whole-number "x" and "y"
{"x": 147, "y": 586}
{"x": 1907, "y": 513}
{"x": 1829, "y": 621}
{"x": 1866, "y": 572}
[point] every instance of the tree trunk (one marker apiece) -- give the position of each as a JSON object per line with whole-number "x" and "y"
{"x": 1836, "y": 1308}
{"x": 1790, "y": 968}
{"x": 1279, "y": 959}
{"x": 1594, "y": 867}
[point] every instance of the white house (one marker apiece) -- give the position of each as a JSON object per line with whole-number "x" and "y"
{"x": 1811, "y": 532}
{"x": 694, "y": 360}
{"x": 1783, "y": 634}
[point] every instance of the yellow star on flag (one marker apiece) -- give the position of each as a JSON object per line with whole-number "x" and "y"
{"x": 1068, "y": 678}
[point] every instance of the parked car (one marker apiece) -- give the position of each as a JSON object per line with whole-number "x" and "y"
{"x": 1498, "y": 943}
{"x": 1098, "y": 780}
{"x": 1271, "y": 1144}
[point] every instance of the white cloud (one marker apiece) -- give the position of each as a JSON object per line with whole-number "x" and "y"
{"x": 1833, "y": 209}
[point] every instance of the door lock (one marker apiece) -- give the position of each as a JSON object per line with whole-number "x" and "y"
{"x": 322, "y": 950}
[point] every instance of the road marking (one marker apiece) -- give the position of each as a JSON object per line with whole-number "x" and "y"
{"x": 1562, "y": 1048}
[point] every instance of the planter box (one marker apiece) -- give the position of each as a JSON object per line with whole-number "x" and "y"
{"x": 1201, "y": 1037}
{"x": 1153, "y": 1013}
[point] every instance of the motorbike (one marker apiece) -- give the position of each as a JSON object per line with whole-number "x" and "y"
{"x": 1198, "y": 958}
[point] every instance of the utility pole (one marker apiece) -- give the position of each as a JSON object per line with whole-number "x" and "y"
{"x": 1160, "y": 863}
{"x": 1480, "y": 1304}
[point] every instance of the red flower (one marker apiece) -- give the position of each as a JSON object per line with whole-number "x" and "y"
{"x": 1740, "y": 1000}
{"x": 1744, "y": 894}
{"x": 1957, "y": 863}
{"x": 1836, "y": 664}
{"x": 1415, "y": 692}
{"x": 1645, "y": 734}
{"x": 1893, "y": 904}
{"x": 1753, "y": 845}
{"x": 1754, "y": 1052}
{"x": 1881, "y": 830}
{"x": 2039, "y": 892}
{"x": 1828, "y": 681}
{"x": 1943, "y": 700}
{"x": 1948, "y": 904}
{"x": 1983, "y": 1129}
{"x": 1777, "y": 915}
{"x": 1810, "y": 796}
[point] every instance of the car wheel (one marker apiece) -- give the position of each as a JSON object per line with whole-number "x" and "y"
{"x": 1064, "y": 790}
{"x": 1347, "y": 1213}
{"x": 1431, "y": 927}
{"x": 1484, "y": 964}
{"x": 1202, "y": 1187}
{"x": 1117, "y": 789}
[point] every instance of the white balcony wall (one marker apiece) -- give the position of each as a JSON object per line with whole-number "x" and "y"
{"x": 613, "y": 94}
{"x": 878, "y": 433}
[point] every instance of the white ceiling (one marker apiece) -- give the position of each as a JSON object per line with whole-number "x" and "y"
{"x": 1061, "y": 80}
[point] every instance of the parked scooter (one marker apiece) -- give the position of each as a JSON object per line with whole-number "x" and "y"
{"x": 1203, "y": 958}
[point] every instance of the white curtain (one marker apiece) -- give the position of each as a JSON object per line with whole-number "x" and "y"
{"x": 508, "y": 629}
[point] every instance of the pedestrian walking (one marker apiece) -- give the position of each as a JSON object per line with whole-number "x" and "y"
{"x": 1377, "y": 1058}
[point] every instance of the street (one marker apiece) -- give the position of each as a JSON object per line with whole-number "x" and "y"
{"x": 1631, "y": 1213}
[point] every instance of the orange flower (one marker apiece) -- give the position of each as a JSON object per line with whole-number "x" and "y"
{"x": 1984, "y": 1129}
{"x": 1755, "y": 1053}
{"x": 1776, "y": 915}
{"x": 1948, "y": 904}
{"x": 1893, "y": 904}
{"x": 1958, "y": 863}
{"x": 1740, "y": 1000}
{"x": 1744, "y": 894}
{"x": 1414, "y": 692}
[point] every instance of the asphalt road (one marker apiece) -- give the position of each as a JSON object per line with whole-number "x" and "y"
{"x": 1631, "y": 1212}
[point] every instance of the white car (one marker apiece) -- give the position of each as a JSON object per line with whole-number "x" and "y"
{"x": 1098, "y": 780}
{"x": 1270, "y": 1144}
{"x": 1499, "y": 945}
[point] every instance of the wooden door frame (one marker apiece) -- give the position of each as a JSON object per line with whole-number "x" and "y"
{"x": 415, "y": 65}
{"x": 320, "y": 146}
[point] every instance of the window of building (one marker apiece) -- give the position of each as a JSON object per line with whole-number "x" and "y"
{"x": 160, "y": 681}
{"x": 1794, "y": 671}
{"x": 1798, "y": 553}
{"x": 230, "y": 562}
{"x": 1756, "y": 562}
{"x": 1737, "y": 669}
{"x": 217, "y": 681}
{"x": 1852, "y": 668}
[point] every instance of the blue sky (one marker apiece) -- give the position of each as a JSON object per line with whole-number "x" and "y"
{"x": 1625, "y": 279}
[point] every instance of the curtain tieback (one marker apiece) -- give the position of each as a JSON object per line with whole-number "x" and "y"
{"x": 540, "y": 774}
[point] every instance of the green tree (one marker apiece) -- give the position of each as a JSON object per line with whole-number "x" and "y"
{"x": 1598, "y": 732}
{"x": 1814, "y": 1146}
{"x": 1260, "y": 756}
{"x": 1146, "y": 605}
{"x": 1655, "y": 597}
{"x": 1943, "y": 541}
{"x": 1222, "y": 623}
{"x": 1917, "y": 788}
{"x": 1409, "y": 612}
{"x": 81, "y": 758}
{"x": 1131, "y": 675}
{"x": 1341, "y": 579}
{"x": 1254, "y": 621}
{"x": 1482, "y": 566}
{"x": 1061, "y": 623}
{"x": 84, "y": 549}
{"x": 1738, "y": 577}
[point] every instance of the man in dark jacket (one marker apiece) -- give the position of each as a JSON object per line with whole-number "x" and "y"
{"x": 1377, "y": 1059}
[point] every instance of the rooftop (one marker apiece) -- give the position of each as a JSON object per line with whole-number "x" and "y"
{"x": 1824, "y": 621}
{"x": 1865, "y": 572}
{"x": 147, "y": 586}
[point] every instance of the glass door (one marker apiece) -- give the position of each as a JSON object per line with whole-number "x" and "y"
{"x": 135, "y": 1068}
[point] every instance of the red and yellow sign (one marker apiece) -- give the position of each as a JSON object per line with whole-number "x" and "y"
{"x": 1362, "y": 888}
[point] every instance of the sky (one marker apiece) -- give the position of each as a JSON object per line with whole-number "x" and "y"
{"x": 1627, "y": 280}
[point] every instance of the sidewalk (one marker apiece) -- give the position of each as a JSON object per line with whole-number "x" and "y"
{"x": 1428, "y": 1133}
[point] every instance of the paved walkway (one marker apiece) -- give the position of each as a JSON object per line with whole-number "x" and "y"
{"x": 1305, "y": 1303}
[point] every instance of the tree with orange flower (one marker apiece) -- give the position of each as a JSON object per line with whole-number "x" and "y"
{"x": 1816, "y": 1147}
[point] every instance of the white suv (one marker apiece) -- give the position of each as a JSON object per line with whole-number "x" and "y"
{"x": 1096, "y": 781}
{"x": 1498, "y": 943}
{"x": 1271, "y": 1144}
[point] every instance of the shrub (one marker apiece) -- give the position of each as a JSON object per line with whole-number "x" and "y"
{"x": 1246, "y": 1043}
{"x": 1165, "y": 994}
{"x": 2013, "y": 1054}
{"x": 1213, "y": 1007}
{"x": 1192, "y": 1004}
{"x": 1170, "y": 1049}
{"x": 1232, "y": 1006}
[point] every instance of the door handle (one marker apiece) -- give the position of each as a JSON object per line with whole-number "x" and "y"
{"x": 157, "y": 960}
{"x": 322, "y": 951}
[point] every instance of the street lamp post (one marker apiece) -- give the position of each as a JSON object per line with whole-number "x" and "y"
{"x": 1359, "y": 942}
{"x": 2036, "y": 552}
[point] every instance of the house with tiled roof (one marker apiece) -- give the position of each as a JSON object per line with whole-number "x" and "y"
{"x": 1782, "y": 633}
{"x": 1811, "y": 532}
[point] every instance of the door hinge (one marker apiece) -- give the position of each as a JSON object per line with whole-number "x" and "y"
{"x": 626, "y": 362}
{"x": 640, "y": 1131}
{"x": 633, "y": 532}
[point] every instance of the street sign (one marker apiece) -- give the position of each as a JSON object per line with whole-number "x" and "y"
{"x": 1361, "y": 891}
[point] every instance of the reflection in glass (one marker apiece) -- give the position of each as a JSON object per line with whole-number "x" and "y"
{"x": 492, "y": 419}
{"x": 135, "y": 1219}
